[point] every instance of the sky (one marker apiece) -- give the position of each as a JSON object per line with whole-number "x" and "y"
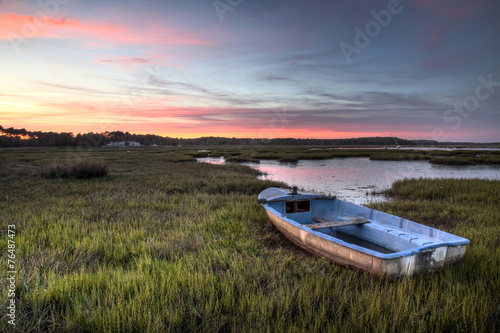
{"x": 415, "y": 69}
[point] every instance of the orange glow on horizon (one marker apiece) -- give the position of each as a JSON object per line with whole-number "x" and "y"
{"x": 178, "y": 122}
{"x": 193, "y": 133}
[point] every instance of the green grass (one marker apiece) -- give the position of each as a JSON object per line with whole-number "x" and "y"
{"x": 468, "y": 159}
{"x": 161, "y": 245}
{"x": 400, "y": 156}
{"x": 296, "y": 153}
{"x": 74, "y": 170}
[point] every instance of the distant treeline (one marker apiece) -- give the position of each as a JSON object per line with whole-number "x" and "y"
{"x": 11, "y": 137}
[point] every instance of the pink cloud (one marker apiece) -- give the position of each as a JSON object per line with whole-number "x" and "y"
{"x": 435, "y": 37}
{"x": 123, "y": 61}
{"x": 27, "y": 26}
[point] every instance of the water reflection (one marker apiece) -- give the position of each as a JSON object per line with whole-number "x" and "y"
{"x": 352, "y": 179}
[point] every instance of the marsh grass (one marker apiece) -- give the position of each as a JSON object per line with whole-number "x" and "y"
{"x": 295, "y": 153}
{"x": 161, "y": 246}
{"x": 82, "y": 170}
{"x": 400, "y": 156}
{"x": 468, "y": 159}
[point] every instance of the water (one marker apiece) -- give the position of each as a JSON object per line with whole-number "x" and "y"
{"x": 425, "y": 148}
{"x": 353, "y": 179}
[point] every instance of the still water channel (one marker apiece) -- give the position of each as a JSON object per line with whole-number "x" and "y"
{"x": 353, "y": 179}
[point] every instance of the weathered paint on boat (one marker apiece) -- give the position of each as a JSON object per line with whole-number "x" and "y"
{"x": 380, "y": 243}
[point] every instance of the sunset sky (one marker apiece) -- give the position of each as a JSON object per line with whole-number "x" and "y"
{"x": 418, "y": 69}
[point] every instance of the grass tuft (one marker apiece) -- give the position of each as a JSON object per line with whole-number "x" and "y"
{"x": 82, "y": 170}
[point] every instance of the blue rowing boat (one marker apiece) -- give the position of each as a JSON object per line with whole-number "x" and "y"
{"x": 360, "y": 237}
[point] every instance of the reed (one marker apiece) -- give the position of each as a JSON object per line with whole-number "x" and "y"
{"x": 80, "y": 170}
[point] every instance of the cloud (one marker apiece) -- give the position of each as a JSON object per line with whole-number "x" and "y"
{"x": 434, "y": 38}
{"x": 272, "y": 77}
{"x": 373, "y": 100}
{"x": 182, "y": 88}
{"x": 2, "y": 104}
{"x": 73, "y": 88}
{"x": 151, "y": 33}
{"x": 123, "y": 63}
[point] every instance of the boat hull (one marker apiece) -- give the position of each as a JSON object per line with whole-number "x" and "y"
{"x": 407, "y": 262}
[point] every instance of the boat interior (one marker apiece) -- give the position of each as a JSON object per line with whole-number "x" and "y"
{"x": 362, "y": 226}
